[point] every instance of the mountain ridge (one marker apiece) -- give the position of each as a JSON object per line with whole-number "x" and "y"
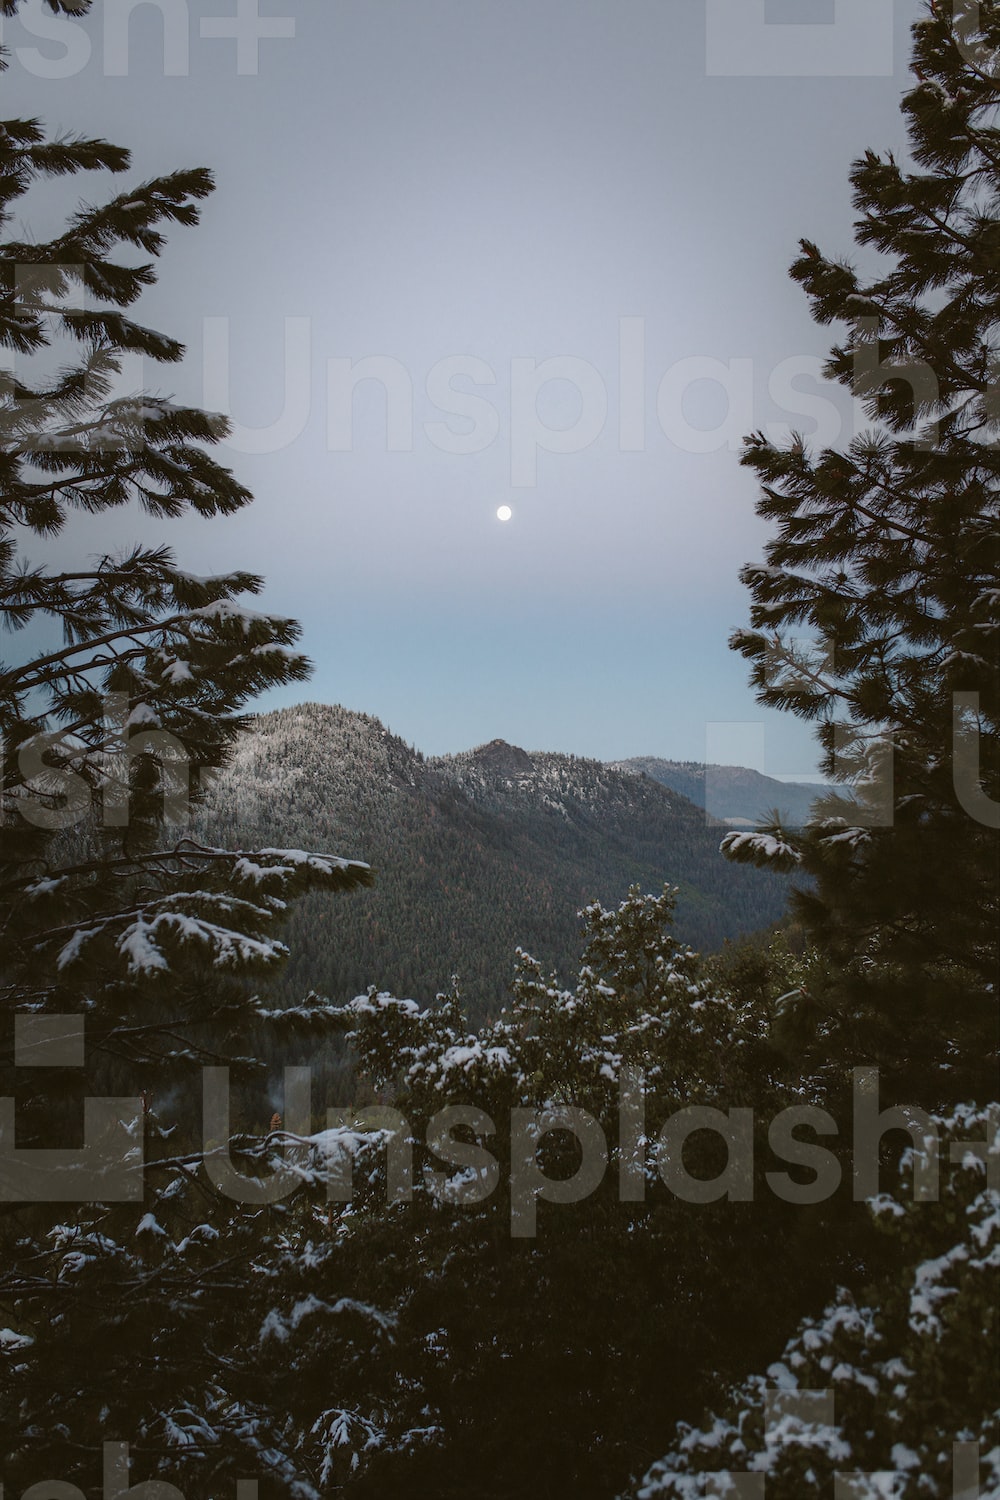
{"x": 475, "y": 853}
{"x": 736, "y": 795}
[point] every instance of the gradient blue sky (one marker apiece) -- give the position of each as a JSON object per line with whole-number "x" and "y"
{"x": 504, "y": 181}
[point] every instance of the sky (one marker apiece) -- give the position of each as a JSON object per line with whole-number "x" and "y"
{"x": 466, "y": 254}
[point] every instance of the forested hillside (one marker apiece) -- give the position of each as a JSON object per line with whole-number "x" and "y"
{"x": 474, "y": 854}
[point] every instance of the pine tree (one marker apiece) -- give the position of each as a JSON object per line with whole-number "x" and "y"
{"x": 116, "y": 925}
{"x": 892, "y": 1384}
{"x": 877, "y": 612}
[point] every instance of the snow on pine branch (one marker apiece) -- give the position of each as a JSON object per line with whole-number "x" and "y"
{"x": 766, "y": 848}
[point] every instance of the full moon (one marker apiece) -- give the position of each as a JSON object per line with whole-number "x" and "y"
{"x": 504, "y": 513}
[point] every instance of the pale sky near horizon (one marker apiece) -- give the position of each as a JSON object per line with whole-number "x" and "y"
{"x": 462, "y": 190}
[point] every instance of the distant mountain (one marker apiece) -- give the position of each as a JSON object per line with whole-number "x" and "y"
{"x": 733, "y": 794}
{"x": 475, "y": 854}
